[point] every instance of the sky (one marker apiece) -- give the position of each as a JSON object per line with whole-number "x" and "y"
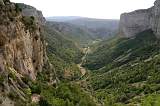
{"x": 104, "y": 9}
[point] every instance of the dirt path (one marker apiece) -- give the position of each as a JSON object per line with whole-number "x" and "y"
{"x": 85, "y": 75}
{"x": 82, "y": 69}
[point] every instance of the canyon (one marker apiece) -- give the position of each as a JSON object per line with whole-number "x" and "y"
{"x": 78, "y": 61}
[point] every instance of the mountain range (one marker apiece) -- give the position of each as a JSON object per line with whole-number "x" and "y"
{"x": 100, "y": 28}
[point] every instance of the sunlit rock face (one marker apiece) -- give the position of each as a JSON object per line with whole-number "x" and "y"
{"x": 137, "y": 21}
{"x": 21, "y": 46}
{"x": 22, "y": 50}
{"x": 134, "y": 22}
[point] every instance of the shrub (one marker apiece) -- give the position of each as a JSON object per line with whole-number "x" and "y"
{"x": 12, "y": 95}
{"x": 2, "y": 78}
{"x": 18, "y": 9}
{"x": 29, "y": 22}
{"x": 27, "y": 91}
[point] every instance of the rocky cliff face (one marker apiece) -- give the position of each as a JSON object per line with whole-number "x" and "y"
{"x": 155, "y": 18}
{"x": 140, "y": 20}
{"x": 31, "y": 11}
{"x": 22, "y": 49}
{"x": 134, "y": 22}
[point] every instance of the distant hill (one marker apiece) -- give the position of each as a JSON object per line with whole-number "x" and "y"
{"x": 62, "y": 18}
{"x": 75, "y": 33}
{"x": 100, "y": 28}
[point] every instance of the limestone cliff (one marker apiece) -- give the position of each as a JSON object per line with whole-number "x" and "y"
{"x": 22, "y": 49}
{"x": 134, "y": 22}
{"x": 137, "y": 21}
{"x": 31, "y": 11}
{"x": 155, "y": 19}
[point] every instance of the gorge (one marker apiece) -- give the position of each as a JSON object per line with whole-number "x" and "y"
{"x": 78, "y": 61}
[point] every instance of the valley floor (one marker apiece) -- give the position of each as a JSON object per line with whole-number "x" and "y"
{"x": 85, "y": 75}
{"x": 82, "y": 69}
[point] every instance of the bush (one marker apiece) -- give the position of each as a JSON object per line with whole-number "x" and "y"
{"x": 29, "y": 22}
{"x": 2, "y": 78}
{"x": 18, "y": 9}
{"x": 27, "y": 91}
{"x": 12, "y": 95}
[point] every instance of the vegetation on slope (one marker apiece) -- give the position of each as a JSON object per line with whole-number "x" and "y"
{"x": 65, "y": 95}
{"x": 63, "y": 53}
{"x": 64, "y": 56}
{"x": 79, "y": 35}
{"x": 123, "y": 50}
{"x": 126, "y": 70}
{"x": 101, "y": 28}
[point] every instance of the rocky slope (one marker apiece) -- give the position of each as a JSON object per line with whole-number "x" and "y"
{"x": 140, "y": 20}
{"x": 22, "y": 50}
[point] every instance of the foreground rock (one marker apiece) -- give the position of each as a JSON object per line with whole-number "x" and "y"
{"x": 22, "y": 50}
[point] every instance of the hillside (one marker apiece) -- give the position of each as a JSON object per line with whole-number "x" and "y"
{"x": 125, "y": 69}
{"x": 78, "y": 35}
{"x": 63, "y": 53}
{"x": 100, "y": 28}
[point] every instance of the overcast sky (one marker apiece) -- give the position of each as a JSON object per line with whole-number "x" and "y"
{"x": 107, "y": 9}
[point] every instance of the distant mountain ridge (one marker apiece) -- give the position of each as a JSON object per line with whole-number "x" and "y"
{"x": 62, "y": 18}
{"x": 100, "y": 28}
{"x": 77, "y": 34}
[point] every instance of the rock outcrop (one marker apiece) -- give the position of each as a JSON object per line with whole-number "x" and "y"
{"x": 155, "y": 18}
{"x": 134, "y": 22}
{"x": 141, "y": 20}
{"x": 22, "y": 49}
{"x": 31, "y": 11}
